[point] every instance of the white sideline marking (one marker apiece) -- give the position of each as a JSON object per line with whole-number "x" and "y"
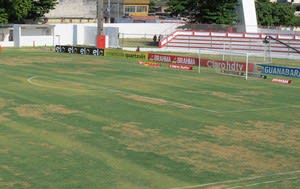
{"x": 256, "y": 109}
{"x": 30, "y": 80}
{"x": 240, "y": 180}
{"x": 48, "y": 86}
{"x": 266, "y": 182}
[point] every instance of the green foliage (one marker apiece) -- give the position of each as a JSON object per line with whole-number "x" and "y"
{"x": 275, "y": 14}
{"x": 152, "y": 6}
{"x": 41, "y": 7}
{"x": 206, "y": 11}
{"x": 17, "y": 11}
{"x": 3, "y": 16}
{"x": 20, "y": 9}
{"x": 297, "y": 21}
{"x": 218, "y": 12}
{"x": 178, "y": 7}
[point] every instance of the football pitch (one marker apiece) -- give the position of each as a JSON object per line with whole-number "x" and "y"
{"x": 71, "y": 121}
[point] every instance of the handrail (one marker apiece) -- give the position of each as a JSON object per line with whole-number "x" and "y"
{"x": 267, "y": 40}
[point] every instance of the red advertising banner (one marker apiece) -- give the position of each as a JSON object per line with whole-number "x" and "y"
{"x": 193, "y": 61}
{"x": 180, "y": 67}
{"x": 173, "y": 59}
{"x": 150, "y": 64}
{"x": 282, "y": 81}
{"x": 227, "y": 65}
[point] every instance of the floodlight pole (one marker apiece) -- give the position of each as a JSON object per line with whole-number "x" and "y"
{"x": 100, "y": 17}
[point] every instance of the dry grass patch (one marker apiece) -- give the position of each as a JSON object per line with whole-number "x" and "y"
{"x": 20, "y": 61}
{"x": 274, "y": 134}
{"x": 219, "y": 186}
{"x": 41, "y": 111}
{"x": 155, "y": 101}
{"x": 3, "y": 117}
{"x": 255, "y": 93}
{"x": 227, "y": 96}
{"x": 145, "y": 99}
{"x": 2, "y": 103}
{"x": 222, "y": 95}
{"x": 4, "y": 151}
{"x": 43, "y": 145}
{"x": 130, "y": 129}
{"x": 79, "y": 130}
{"x": 201, "y": 155}
{"x": 10, "y": 170}
{"x": 5, "y": 102}
{"x": 59, "y": 109}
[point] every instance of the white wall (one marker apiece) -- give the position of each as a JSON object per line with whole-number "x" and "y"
{"x": 147, "y": 29}
{"x": 33, "y": 35}
{"x": 63, "y": 34}
{"x": 85, "y": 34}
{"x": 30, "y": 41}
{"x": 247, "y": 15}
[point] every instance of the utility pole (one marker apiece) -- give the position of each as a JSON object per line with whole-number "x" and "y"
{"x": 100, "y": 17}
{"x": 108, "y": 11}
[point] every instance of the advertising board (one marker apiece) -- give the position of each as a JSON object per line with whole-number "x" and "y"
{"x": 173, "y": 59}
{"x": 193, "y": 61}
{"x": 79, "y": 50}
{"x": 126, "y": 54}
{"x": 280, "y": 71}
{"x": 180, "y": 67}
{"x": 233, "y": 66}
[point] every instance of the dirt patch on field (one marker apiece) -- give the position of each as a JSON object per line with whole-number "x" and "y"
{"x": 145, "y": 99}
{"x": 204, "y": 155}
{"x": 255, "y": 93}
{"x": 222, "y": 95}
{"x": 10, "y": 170}
{"x": 2, "y": 103}
{"x": 60, "y": 109}
{"x": 274, "y": 134}
{"x": 42, "y": 145}
{"x": 155, "y": 101}
{"x": 33, "y": 111}
{"x": 41, "y": 111}
{"x": 229, "y": 97}
{"x": 130, "y": 129}
{"x": 3, "y": 117}
{"x": 219, "y": 186}
{"x": 81, "y": 131}
{"x": 4, "y": 151}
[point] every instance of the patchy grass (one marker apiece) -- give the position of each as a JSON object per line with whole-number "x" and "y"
{"x": 105, "y": 122}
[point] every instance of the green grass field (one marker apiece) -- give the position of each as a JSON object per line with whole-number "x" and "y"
{"x": 70, "y": 121}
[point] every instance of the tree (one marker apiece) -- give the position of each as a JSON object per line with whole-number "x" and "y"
{"x": 3, "y": 16}
{"x": 17, "y": 11}
{"x": 206, "y": 11}
{"x": 152, "y": 6}
{"x": 40, "y": 8}
{"x": 178, "y": 7}
{"x": 275, "y": 14}
{"x": 215, "y": 11}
